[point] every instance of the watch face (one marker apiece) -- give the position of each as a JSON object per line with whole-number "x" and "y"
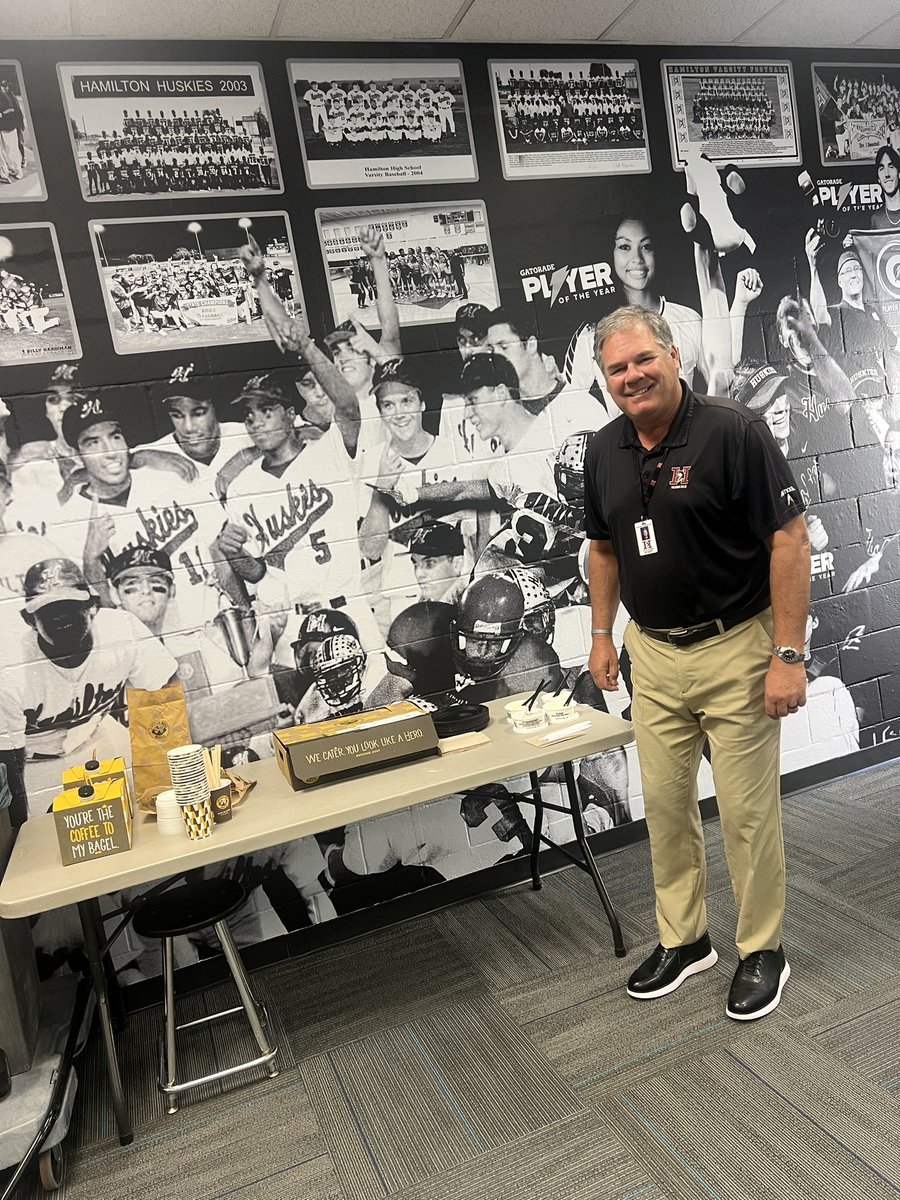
{"x": 788, "y": 654}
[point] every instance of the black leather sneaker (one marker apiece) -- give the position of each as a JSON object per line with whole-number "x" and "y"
{"x": 665, "y": 970}
{"x": 757, "y": 985}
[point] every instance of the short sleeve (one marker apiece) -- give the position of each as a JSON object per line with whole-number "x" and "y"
{"x": 763, "y": 483}
{"x": 595, "y": 525}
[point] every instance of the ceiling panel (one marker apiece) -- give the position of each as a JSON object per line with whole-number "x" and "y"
{"x": 27, "y": 19}
{"x": 812, "y": 23}
{"x": 537, "y": 20}
{"x": 676, "y": 23}
{"x": 350, "y": 20}
{"x": 176, "y": 18}
{"x": 886, "y": 36}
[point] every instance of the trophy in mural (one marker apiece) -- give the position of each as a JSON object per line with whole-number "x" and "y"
{"x": 239, "y": 628}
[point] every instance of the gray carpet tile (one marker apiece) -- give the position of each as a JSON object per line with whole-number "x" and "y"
{"x": 494, "y": 949}
{"x": 358, "y": 988}
{"x": 201, "y": 1050}
{"x": 408, "y": 1103}
{"x": 602, "y": 1043}
{"x": 876, "y": 815}
{"x": 576, "y": 1159}
{"x": 864, "y": 1031}
{"x": 557, "y": 924}
{"x": 816, "y": 842}
{"x": 771, "y": 1117}
{"x": 875, "y": 787}
{"x": 872, "y": 883}
{"x": 216, "y": 1150}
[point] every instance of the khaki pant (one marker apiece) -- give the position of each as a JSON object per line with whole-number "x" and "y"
{"x": 713, "y": 688}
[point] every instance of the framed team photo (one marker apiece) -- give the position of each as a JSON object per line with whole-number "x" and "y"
{"x": 149, "y": 131}
{"x": 568, "y": 118}
{"x": 173, "y": 282}
{"x": 21, "y": 177}
{"x": 439, "y": 255}
{"x": 37, "y": 323}
{"x": 374, "y": 123}
{"x": 738, "y": 112}
{"x": 858, "y": 110}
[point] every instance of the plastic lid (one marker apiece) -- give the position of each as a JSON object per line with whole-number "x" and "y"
{"x": 85, "y": 791}
{"x": 92, "y": 765}
{"x": 166, "y": 803}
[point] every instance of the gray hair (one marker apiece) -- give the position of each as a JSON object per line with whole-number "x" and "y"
{"x": 627, "y": 317}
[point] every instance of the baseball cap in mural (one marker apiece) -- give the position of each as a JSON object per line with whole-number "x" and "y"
{"x": 437, "y": 539}
{"x": 759, "y": 389}
{"x": 139, "y": 558}
{"x": 91, "y": 410}
{"x": 848, "y": 256}
{"x": 488, "y": 370}
{"x": 341, "y": 333}
{"x": 191, "y": 389}
{"x": 268, "y": 387}
{"x": 474, "y": 318}
{"x": 396, "y": 372}
{"x": 52, "y": 580}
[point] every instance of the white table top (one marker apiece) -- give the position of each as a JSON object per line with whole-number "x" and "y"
{"x": 36, "y": 881}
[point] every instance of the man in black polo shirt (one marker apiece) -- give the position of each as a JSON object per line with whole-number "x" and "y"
{"x": 693, "y": 511}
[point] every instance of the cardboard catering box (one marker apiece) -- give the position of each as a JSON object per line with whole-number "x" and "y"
{"x": 92, "y": 826}
{"x": 106, "y": 768}
{"x": 325, "y": 750}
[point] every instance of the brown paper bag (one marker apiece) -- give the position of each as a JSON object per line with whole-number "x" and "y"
{"x": 157, "y": 722}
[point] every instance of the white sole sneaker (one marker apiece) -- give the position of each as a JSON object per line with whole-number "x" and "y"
{"x": 694, "y": 968}
{"x": 770, "y": 1007}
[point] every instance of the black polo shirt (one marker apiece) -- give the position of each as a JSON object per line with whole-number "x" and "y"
{"x": 724, "y": 487}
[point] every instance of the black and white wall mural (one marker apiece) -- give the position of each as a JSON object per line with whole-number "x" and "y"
{"x": 309, "y": 450}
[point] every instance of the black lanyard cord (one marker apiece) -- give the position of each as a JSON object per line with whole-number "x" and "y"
{"x": 648, "y": 490}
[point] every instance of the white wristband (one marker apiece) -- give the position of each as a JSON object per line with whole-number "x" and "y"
{"x": 606, "y": 632}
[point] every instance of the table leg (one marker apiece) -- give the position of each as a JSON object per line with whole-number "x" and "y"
{"x": 538, "y": 802}
{"x": 580, "y": 837}
{"x": 89, "y": 912}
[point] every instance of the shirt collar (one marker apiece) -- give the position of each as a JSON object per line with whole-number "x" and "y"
{"x": 678, "y": 430}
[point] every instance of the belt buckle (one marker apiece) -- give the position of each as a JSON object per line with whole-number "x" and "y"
{"x": 679, "y": 637}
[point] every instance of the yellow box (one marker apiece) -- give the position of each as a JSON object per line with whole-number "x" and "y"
{"x": 107, "y": 768}
{"x": 95, "y": 825}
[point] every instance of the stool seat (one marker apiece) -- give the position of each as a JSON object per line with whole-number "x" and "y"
{"x": 187, "y": 908}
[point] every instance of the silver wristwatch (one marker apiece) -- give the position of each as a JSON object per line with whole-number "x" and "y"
{"x": 788, "y": 654}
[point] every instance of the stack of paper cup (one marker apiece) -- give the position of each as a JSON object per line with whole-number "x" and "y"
{"x": 168, "y": 814}
{"x": 188, "y": 770}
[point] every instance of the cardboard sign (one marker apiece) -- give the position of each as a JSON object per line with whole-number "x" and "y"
{"x": 94, "y": 826}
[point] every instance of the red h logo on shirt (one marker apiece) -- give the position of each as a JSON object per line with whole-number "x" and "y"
{"x": 679, "y": 477}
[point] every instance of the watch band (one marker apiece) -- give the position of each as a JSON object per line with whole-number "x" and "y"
{"x": 608, "y": 632}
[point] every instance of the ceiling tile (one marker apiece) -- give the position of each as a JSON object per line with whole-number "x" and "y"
{"x": 812, "y": 23}
{"x": 349, "y": 20}
{"x": 539, "y": 21}
{"x": 886, "y": 36}
{"x": 176, "y": 18}
{"x": 675, "y": 22}
{"x": 25, "y": 19}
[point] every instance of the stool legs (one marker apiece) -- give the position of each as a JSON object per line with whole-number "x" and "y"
{"x": 169, "y": 1060}
{"x": 251, "y": 1008}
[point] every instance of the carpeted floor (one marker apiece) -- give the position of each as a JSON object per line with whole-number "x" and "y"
{"x": 489, "y": 1051}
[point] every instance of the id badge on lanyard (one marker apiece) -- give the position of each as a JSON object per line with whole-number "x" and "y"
{"x": 646, "y": 536}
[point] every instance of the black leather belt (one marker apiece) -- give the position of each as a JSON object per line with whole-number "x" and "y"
{"x": 697, "y": 633}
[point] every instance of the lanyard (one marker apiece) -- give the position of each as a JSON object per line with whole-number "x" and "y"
{"x": 647, "y": 492}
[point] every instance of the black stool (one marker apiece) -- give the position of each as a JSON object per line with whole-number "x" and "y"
{"x": 186, "y": 909}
